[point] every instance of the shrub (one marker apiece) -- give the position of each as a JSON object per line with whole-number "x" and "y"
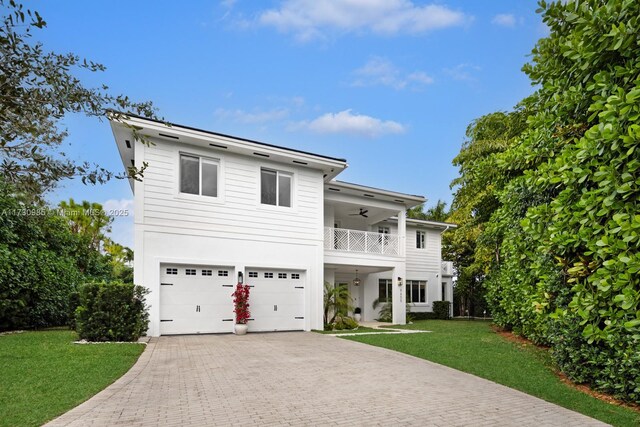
{"x": 441, "y": 309}
{"x": 343, "y": 322}
{"x": 112, "y": 311}
{"x": 427, "y": 315}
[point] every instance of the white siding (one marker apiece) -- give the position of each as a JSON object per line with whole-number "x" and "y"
{"x": 425, "y": 260}
{"x": 237, "y": 209}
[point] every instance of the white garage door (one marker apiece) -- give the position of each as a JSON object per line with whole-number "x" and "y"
{"x": 276, "y": 299}
{"x": 196, "y": 299}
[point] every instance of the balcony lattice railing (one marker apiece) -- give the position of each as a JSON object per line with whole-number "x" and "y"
{"x": 342, "y": 239}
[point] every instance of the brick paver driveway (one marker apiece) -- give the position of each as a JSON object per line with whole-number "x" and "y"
{"x": 301, "y": 378}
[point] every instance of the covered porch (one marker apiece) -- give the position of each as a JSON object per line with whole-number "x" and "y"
{"x": 367, "y": 282}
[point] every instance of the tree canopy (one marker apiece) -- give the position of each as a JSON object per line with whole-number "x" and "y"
{"x": 38, "y": 88}
{"x": 547, "y": 198}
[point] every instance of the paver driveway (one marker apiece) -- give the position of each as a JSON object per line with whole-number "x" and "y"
{"x": 301, "y": 378}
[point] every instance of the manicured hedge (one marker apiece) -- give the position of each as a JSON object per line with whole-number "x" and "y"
{"x": 442, "y": 309}
{"x": 112, "y": 311}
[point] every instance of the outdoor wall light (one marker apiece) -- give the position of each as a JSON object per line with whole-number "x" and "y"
{"x": 399, "y": 281}
{"x": 240, "y": 277}
{"x": 356, "y": 281}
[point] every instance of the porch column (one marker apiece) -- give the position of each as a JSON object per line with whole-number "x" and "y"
{"x": 402, "y": 232}
{"x": 399, "y": 295}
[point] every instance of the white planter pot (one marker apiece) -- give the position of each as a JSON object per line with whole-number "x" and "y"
{"x": 240, "y": 329}
{"x": 357, "y": 316}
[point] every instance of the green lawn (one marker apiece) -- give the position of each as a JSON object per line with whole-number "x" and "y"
{"x": 472, "y": 346}
{"x": 44, "y": 374}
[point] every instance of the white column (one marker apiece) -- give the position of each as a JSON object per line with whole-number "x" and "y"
{"x": 399, "y": 295}
{"x": 402, "y": 232}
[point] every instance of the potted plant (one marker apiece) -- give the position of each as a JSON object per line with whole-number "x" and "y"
{"x": 241, "y": 308}
{"x": 357, "y": 314}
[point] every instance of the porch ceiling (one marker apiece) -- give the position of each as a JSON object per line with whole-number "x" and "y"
{"x": 351, "y": 269}
{"x": 350, "y": 211}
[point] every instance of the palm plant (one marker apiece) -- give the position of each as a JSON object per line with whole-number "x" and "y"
{"x": 337, "y": 301}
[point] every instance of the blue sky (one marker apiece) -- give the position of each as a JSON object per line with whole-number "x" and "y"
{"x": 390, "y": 85}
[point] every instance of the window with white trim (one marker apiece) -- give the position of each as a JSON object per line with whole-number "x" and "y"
{"x": 223, "y": 273}
{"x": 384, "y": 290}
{"x": 198, "y": 175}
{"x": 268, "y": 275}
{"x": 253, "y": 274}
{"x": 190, "y": 271}
{"x": 282, "y": 275}
{"x": 275, "y": 188}
{"x": 421, "y": 239}
{"x": 295, "y": 276}
{"x": 172, "y": 271}
{"x": 207, "y": 272}
{"x": 416, "y": 291}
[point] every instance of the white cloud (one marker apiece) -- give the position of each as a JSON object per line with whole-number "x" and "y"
{"x": 463, "y": 72}
{"x": 352, "y": 123}
{"x": 309, "y": 19}
{"x": 258, "y": 117}
{"x": 380, "y": 71}
{"x": 504, "y": 20}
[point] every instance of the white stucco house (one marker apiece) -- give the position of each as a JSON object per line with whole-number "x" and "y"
{"x": 213, "y": 208}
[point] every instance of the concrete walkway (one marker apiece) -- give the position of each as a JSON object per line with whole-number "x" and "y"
{"x": 299, "y": 378}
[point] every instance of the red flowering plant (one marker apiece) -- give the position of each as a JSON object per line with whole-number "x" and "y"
{"x": 241, "y": 303}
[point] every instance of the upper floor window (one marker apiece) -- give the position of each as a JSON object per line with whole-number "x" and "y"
{"x": 275, "y": 188}
{"x": 383, "y": 230}
{"x": 198, "y": 175}
{"x": 421, "y": 239}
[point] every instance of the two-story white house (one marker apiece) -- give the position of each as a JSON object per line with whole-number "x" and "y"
{"x": 214, "y": 209}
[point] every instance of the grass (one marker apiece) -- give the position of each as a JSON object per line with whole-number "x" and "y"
{"x": 473, "y": 347}
{"x": 44, "y": 374}
{"x": 360, "y": 330}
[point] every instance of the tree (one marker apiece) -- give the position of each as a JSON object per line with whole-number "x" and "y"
{"x": 553, "y": 212}
{"x": 434, "y": 213}
{"x": 37, "y": 89}
{"x": 472, "y": 248}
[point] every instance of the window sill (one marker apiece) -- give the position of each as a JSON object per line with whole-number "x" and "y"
{"x": 196, "y": 198}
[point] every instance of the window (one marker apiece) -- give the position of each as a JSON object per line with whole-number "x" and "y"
{"x": 253, "y": 274}
{"x": 268, "y": 275}
{"x": 172, "y": 271}
{"x": 275, "y": 188}
{"x": 223, "y": 273}
{"x": 206, "y": 272}
{"x": 444, "y": 291}
{"x": 190, "y": 271}
{"x": 416, "y": 290}
{"x": 383, "y": 230}
{"x": 421, "y": 238}
{"x": 295, "y": 276}
{"x": 384, "y": 290}
{"x": 282, "y": 275}
{"x": 198, "y": 175}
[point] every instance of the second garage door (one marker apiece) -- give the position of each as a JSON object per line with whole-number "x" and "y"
{"x": 277, "y": 299}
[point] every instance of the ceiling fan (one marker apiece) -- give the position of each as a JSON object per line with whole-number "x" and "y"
{"x": 363, "y": 212}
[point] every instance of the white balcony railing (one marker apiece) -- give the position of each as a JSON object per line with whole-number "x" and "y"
{"x": 342, "y": 239}
{"x": 447, "y": 268}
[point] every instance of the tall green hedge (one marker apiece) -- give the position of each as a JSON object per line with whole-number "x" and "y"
{"x": 112, "y": 311}
{"x": 569, "y": 222}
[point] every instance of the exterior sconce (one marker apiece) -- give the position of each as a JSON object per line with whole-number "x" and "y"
{"x": 356, "y": 281}
{"x": 240, "y": 277}
{"x": 399, "y": 281}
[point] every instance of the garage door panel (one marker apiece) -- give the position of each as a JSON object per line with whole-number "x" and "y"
{"x": 287, "y": 294}
{"x": 195, "y": 303}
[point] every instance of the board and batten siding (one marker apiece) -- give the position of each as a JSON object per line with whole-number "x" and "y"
{"x": 237, "y": 210}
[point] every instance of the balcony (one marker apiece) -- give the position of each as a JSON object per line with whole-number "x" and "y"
{"x": 342, "y": 239}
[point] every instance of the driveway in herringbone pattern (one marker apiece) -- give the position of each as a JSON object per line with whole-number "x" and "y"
{"x": 303, "y": 378}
